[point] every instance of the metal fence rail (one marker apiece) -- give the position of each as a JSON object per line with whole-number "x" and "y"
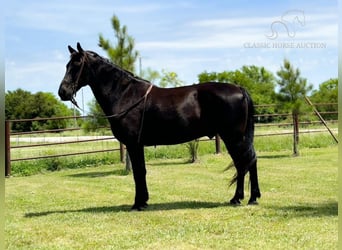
{"x": 9, "y": 134}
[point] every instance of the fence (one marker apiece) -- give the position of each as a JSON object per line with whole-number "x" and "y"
{"x": 120, "y": 148}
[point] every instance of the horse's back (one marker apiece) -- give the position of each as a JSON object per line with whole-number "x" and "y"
{"x": 185, "y": 113}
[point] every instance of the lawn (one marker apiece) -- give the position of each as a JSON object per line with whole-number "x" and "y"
{"x": 88, "y": 208}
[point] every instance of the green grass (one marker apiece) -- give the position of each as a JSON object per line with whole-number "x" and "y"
{"x": 89, "y": 208}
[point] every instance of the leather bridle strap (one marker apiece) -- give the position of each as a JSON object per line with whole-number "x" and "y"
{"x": 73, "y": 101}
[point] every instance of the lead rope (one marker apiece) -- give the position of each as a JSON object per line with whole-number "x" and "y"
{"x": 143, "y": 114}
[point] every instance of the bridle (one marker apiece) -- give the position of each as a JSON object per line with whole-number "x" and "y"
{"x": 84, "y": 59}
{"x": 74, "y": 87}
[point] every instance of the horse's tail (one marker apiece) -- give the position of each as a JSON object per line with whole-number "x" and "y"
{"x": 250, "y": 110}
{"x": 249, "y": 155}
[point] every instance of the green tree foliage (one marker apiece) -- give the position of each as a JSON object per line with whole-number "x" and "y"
{"x": 164, "y": 79}
{"x": 97, "y": 120}
{"x": 21, "y": 104}
{"x": 150, "y": 75}
{"x": 292, "y": 87}
{"x": 292, "y": 90}
{"x": 327, "y": 93}
{"x": 258, "y": 81}
{"x": 123, "y": 53}
{"x": 170, "y": 79}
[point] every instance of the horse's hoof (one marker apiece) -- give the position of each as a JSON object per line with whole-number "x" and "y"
{"x": 139, "y": 207}
{"x": 253, "y": 203}
{"x": 235, "y": 202}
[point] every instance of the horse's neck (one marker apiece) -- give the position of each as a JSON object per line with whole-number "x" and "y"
{"x": 110, "y": 88}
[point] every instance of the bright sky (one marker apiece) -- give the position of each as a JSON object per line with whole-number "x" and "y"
{"x": 187, "y": 37}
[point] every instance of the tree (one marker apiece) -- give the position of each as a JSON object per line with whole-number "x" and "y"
{"x": 150, "y": 75}
{"x": 292, "y": 90}
{"x": 164, "y": 79}
{"x": 17, "y": 106}
{"x": 21, "y": 104}
{"x": 122, "y": 54}
{"x": 258, "y": 81}
{"x": 170, "y": 79}
{"x": 327, "y": 93}
{"x": 97, "y": 118}
{"x": 46, "y": 105}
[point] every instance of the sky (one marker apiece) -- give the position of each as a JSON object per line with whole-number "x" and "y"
{"x": 187, "y": 37}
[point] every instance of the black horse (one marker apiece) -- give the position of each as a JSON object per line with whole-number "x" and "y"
{"x": 142, "y": 114}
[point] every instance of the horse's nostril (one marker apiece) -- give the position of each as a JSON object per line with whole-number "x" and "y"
{"x": 63, "y": 93}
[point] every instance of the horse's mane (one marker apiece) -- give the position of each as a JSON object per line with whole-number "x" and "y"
{"x": 110, "y": 63}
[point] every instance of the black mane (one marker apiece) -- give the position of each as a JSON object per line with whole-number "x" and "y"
{"x": 125, "y": 72}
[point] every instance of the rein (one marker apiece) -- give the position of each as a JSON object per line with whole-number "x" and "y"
{"x": 124, "y": 112}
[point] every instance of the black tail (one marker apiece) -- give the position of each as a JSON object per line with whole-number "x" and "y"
{"x": 249, "y": 131}
{"x": 249, "y": 153}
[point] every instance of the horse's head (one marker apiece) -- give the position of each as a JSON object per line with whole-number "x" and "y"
{"x": 76, "y": 76}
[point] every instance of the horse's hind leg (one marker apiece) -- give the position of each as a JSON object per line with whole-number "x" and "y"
{"x": 255, "y": 191}
{"x": 239, "y": 192}
{"x": 244, "y": 158}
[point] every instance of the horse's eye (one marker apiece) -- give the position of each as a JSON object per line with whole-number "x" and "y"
{"x": 77, "y": 63}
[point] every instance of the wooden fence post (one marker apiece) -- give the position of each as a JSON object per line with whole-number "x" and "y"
{"x": 122, "y": 152}
{"x": 218, "y": 144}
{"x": 7, "y": 149}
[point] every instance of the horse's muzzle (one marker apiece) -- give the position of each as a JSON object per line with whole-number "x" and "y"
{"x": 65, "y": 93}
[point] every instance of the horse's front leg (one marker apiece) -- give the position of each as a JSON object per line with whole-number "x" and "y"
{"x": 136, "y": 154}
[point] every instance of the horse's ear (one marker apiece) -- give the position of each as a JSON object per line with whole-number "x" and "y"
{"x": 71, "y": 49}
{"x": 80, "y": 50}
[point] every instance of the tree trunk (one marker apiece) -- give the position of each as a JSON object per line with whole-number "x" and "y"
{"x": 218, "y": 144}
{"x": 122, "y": 152}
{"x": 128, "y": 163}
{"x": 295, "y": 134}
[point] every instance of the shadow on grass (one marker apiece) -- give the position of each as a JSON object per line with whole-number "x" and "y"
{"x": 123, "y": 172}
{"x": 168, "y": 163}
{"x": 118, "y": 172}
{"x": 127, "y": 208}
{"x": 308, "y": 210}
{"x": 274, "y": 156}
